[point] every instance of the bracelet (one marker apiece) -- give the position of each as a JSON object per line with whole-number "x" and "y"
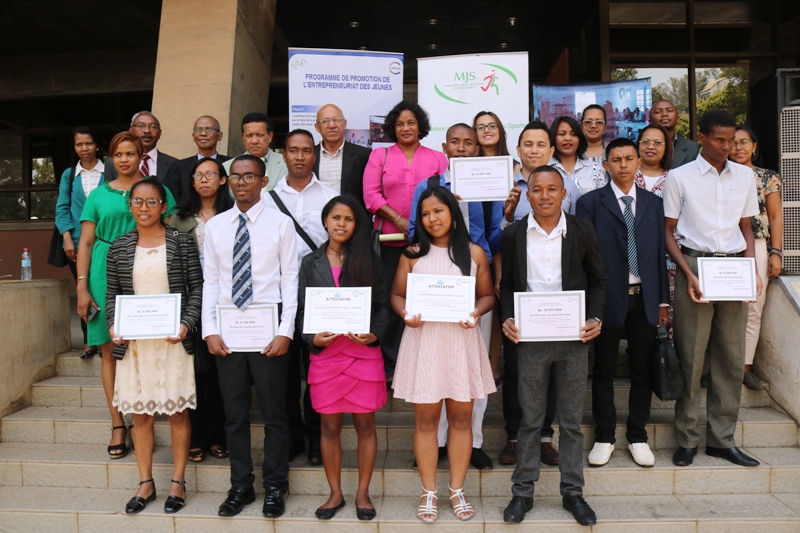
{"x": 777, "y": 251}
{"x": 395, "y": 220}
{"x": 82, "y": 277}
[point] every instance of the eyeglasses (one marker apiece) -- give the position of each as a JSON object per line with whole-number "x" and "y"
{"x": 490, "y": 126}
{"x": 151, "y": 202}
{"x": 326, "y": 121}
{"x": 208, "y": 130}
{"x": 208, "y": 175}
{"x": 589, "y": 123}
{"x": 648, "y": 142}
{"x": 744, "y": 143}
{"x": 246, "y": 178}
{"x": 142, "y": 126}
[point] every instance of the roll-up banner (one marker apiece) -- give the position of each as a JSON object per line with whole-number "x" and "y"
{"x": 364, "y": 84}
{"x": 454, "y": 89}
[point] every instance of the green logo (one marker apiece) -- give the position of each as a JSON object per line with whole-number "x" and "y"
{"x": 470, "y": 81}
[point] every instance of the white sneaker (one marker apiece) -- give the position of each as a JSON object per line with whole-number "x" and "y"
{"x": 641, "y": 454}
{"x": 600, "y": 454}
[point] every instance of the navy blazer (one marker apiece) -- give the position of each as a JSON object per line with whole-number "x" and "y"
{"x": 602, "y": 208}
{"x": 178, "y": 180}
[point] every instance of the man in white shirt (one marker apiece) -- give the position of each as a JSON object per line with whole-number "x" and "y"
{"x": 257, "y": 136}
{"x": 709, "y": 202}
{"x": 147, "y": 128}
{"x": 250, "y": 256}
{"x": 303, "y": 196}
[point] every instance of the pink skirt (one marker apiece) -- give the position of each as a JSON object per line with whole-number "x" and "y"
{"x": 346, "y": 377}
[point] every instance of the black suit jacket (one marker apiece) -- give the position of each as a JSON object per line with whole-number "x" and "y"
{"x": 602, "y": 208}
{"x": 354, "y": 161}
{"x": 178, "y": 180}
{"x": 162, "y": 166}
{"x": 580, "y": 254}
{"x": 683, "y": 151}
{"x": 315, "y": 271}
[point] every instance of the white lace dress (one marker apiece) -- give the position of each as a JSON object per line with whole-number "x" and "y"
{"x": 154, "y": 377}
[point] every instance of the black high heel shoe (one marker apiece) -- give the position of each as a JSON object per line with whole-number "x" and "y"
{"x": 175, "y": 503}
{"x": 121, "y": 448}
{"x": 137, "y": 503}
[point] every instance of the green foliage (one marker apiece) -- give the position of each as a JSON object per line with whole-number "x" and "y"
{"x": 624, "y": 74}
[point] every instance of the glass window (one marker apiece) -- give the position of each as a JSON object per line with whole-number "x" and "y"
{"x": 723, "y": 88}
{"x": 11, "y": 160}
{"x": 12, "y": 206}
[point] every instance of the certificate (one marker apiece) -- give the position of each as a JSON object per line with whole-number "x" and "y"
{"x": 478, "y": 179}
{"x": 550, "y": 316}
{"x": 337, "y": 309}
{"x": 440, "y": 298}
{"x": 250, "y": 330}
{"x": 150, "y": 316}
{"x": 727, "y": 278}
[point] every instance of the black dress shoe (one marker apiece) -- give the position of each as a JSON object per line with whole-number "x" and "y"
{"x": 364, "y": 513}
{"x": 733, "y": 455}
{"x": 237, "y": 498}
{"x": 684, "y": 456}
{"x": 314, "y": 454}
{"x": 517, "y": 508}
{"x": 175, "y": 503}
{"x": 480, "y": 460}
{"x": 137, "y": 503}
{"x": 580, "y": 510}
{"x": 330, "y": 512}
{"x": 275, "y": 502}
{"x": 89, "y": 353}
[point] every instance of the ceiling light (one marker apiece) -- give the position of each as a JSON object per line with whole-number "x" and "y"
{"x": 503, "y": 45}
{"x": 432, "y": 46}
{"x": 433, "y": 22}
{"x": 363, "y": 48}
{"x": 354, "y": 24}
{"x": 512, "y": 21}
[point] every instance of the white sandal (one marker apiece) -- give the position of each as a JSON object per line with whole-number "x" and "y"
{"x": 463, "y": 506}
{"x": 429, "y": 508}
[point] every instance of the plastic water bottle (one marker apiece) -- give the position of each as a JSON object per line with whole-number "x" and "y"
{"x": 26, "y": 275}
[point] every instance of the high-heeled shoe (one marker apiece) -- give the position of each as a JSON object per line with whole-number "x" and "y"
{"x": 121, "y": 448}
{"x": 175, "y": 503}
{"x": 137, "y": 503}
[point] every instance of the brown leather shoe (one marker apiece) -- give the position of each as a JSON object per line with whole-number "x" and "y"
{"x": 508, "y": 456}
{"x": 549, "y": 454}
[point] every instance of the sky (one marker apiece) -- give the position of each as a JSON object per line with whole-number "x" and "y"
{"x": 661, "y": 75}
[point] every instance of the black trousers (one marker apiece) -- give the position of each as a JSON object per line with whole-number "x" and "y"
{"x": 390, "y": 343}
{"x": 512, "y": 411}
{"x": 298, "y": 369}
{"x": 74, "y": 269}
{"x": 641, "y": 338}
{"x": 208, "y": 420}
{"x": 269, "y": 376}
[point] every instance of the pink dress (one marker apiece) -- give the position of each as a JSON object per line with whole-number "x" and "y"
{"x": 441, "y": 360}
{"x": 346, "y": 377}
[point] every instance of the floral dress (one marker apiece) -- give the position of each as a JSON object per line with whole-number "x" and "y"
{"x": 767, "y": 182}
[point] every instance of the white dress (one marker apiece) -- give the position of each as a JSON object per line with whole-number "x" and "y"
{"x": 154, "y": 377}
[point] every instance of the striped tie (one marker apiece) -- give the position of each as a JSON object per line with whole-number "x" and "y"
{"x": 633, "y": 261}
{"x": 242, "y": 291}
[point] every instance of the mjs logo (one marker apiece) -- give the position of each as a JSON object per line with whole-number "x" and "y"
{"x": 485, "y": 79}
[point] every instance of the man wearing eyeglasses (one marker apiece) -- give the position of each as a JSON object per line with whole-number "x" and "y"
{"x": 146, "y": 127}
{"x": 339, "y": 164}
{"x": 206, "y": 134}
{"x": 257, "y": 135}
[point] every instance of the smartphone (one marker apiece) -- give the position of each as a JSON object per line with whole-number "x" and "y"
{"x": 92, "y": 313}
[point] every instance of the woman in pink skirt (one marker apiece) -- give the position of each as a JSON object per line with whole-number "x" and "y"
{"x": 346, "y": 373}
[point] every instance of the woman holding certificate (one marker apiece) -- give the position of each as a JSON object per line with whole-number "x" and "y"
{"x": 491, "y": 136}
{"x": 442, "y": 360}
{"x": 346, "y": 371}
{"x": 155, "y": 375}
{"x": 106, "y": 216}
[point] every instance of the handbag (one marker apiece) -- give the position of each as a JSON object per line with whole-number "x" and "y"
{"x": 55, "y": 254}
{"x": 376, "y": 233}
{"x": 667, "y": 378}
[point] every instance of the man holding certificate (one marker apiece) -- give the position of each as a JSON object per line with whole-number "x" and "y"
{"x": 630, "y": 228}
{"x": 709, "y": 202}
{"x": 545, "y": 257}
{"x": 249, "y": 305}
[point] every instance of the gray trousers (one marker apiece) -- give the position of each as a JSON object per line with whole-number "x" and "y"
{"x": 568, "y": 361}
{"x": 715, "y": 331}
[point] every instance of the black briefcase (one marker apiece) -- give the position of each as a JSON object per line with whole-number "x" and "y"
{"x": 667, "y": 379}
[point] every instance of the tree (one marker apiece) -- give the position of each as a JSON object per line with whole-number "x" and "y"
{"x": 624, "y": 74}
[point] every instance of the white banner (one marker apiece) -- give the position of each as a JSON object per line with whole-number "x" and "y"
{"x": 454, "y": 89}
{"x": 365, "y": 85}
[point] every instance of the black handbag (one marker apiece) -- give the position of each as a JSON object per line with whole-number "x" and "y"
{"x": 667, "y": 378}
{"x": 55, "y": 254}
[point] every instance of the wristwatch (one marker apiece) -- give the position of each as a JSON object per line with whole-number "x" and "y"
{"x": 596, "y": 320}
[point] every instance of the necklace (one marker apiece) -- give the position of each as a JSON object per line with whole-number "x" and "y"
{"x": 340, "y": 253}
{"x": 593, "y": 152}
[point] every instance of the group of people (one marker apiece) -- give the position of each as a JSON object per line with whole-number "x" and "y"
{"x": 261, "y": 228}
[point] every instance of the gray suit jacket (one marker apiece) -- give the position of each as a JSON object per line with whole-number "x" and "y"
{"x": 164, "y": 161}
{"x": 683, "y": 151}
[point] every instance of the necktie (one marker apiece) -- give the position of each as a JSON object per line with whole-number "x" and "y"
{"x": 145, "y": 167}
{"x": 633, "y": 260}
{"x": 242, "y": 291}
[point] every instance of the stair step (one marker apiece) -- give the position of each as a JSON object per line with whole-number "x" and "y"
{"x": 52, "y": 509}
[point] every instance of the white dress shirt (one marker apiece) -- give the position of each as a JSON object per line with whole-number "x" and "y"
{"x": 273, "y": 251}
{"x": 544, "y": 255}
{"x": 90, "y": 177}
{"x": 330, "y": 167}
{"x": 306, "y": 207}
{"x": 619, "y": 194}
{"x": 709, "y": 205}
{"x": 152, "y": 163}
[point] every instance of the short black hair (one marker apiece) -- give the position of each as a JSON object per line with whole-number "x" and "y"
{"x": 546, "y": 168}
{"x": 535, "y": 125}
{"x": 621, "y": 142}
{"x": 257, "y": 116}
{"x": 406, "y": 105}
{"x": 594, "y": 106}
{"x": 583, "y": 144}
{"x": 459, "y": 125}
{"x": 193, "y": 203}
{"x": 154, "y": 183}
{"x": 716, "y": 118}
{"x": 297, "y": 131}
{"x": 88, "y": 130}
{"x": 262, "y": 167}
